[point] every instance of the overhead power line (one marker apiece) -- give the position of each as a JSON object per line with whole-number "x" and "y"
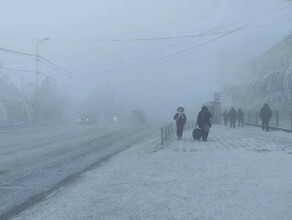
{"x": 43, "y": 59}
{"x": 17, "y": 70}
{"x": 57, "y": 67}
{"x": 137, "y": 39}
{"x": 170, "y": 45}
{"x": 16, "y": 52}
{"x": 237, "y": 20}
{"x": 172, "y": 54}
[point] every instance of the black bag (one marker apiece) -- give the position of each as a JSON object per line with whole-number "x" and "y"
{"x": 197, "y": 134}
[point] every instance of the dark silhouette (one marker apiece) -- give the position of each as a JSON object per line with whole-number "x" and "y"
{"x": 225, "y": 117}
{"x": 203, "y": 121}
{"x": 240, "y": 117}
{"x": 265, "y": 116}
{"x": 232, "y": 117}
{"x": 181, "y": 120}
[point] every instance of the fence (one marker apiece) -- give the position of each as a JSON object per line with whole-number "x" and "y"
{"x": 279, "y": 120}
{"x": 169, "y": 129}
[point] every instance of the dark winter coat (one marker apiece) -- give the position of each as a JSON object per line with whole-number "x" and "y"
{"x": 265, "y": 113}
{"x": 204, "y": 118}
{"x": 232, "y": 114}
{"x": 180, "y": 121}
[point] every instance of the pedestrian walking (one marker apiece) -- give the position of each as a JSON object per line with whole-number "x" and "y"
{"x": 265, "y": 116}
{"x": 225, "y": 117}
{"x": 203, "y": 121}
{"x": 232, "y": 114}
{"x": 181, "y": 120}
{"x": 240, "y": 117}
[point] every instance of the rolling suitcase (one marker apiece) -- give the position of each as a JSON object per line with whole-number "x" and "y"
{"x": 197, "y": 134}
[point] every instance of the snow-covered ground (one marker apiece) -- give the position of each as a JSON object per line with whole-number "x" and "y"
{"x": 238, "y": 174}
{"x": 36, "y": 161}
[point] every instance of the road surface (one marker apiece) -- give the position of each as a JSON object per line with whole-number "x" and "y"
{"x": 36, "y": 161}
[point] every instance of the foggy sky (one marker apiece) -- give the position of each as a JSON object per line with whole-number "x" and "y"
{"x": 80, "y": 33}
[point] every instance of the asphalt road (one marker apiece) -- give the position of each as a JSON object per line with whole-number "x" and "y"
{"x": 34, "y": 162}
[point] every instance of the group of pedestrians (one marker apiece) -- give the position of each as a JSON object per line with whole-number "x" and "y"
{"x": 203, "y": 122}
{"x": 232, "y": 116}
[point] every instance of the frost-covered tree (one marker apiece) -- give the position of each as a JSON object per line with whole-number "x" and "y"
{"x": 270, "y": 81}
{"x": 14, "y": 107}
{"x": 48, "y": 104}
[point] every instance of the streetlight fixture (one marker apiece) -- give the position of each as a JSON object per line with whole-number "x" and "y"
{"x": 37, "y": 60}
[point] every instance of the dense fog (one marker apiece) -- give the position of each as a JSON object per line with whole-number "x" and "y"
{"x": 145, "y": 109}
{"x": 107, "y": 57}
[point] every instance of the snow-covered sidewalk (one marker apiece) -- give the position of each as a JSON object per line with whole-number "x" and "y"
{"x": 239, "y": 173}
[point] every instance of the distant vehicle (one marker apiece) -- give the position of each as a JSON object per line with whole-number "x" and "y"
{"x": 137, "y": 117}
{"x": 87, "y": 119}
{"x": 113, "y": 118}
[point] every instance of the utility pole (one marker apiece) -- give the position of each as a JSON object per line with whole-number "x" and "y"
{"x": 37, "y": 77}
{"x": 37, "y": 61}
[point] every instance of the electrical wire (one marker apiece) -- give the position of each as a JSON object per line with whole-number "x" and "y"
{"x": 172, "y": 54}
{"x": 142, "y": 39}
{"x": 41, "y": 58}
{"x": 16, "y": 52}
{"x": 17, "y": 70}
{"x": 274, "y": 6}
{"x": 169, "y": 45}
{"x": 185, "y": 37}
{"x": 58, "y": 68}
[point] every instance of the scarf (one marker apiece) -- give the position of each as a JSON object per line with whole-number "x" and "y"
{"x": 180, "y": 115}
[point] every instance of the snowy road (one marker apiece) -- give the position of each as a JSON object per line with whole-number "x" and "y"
{"x": 242, "y": 174}
{"x": 36, "y": 161}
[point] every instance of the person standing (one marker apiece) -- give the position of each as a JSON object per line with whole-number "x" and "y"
{"x": 232, "y": 117}
{"x": 225, "y": 117}
{"x": 265, "y": 116}
{"x": 203, "y": 121}
{"x": 181, "y": 120}
{"x": 240, "y": 117}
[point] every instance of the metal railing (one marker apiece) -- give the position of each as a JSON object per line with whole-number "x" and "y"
{"x": 169, "y": 129}
{"x": 279, "y": 121}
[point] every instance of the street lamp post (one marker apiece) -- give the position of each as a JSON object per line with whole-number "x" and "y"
{"x": 37, "y": 61}
{"x": 37, "y": 78}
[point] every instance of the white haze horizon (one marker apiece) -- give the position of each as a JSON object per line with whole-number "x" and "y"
{"x": 115, "y": 48}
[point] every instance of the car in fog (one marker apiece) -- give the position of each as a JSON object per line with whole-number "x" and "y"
{"x": 113, "y": 118}
{"x": 137, "y": 116}
{"x": 87, "y": 119}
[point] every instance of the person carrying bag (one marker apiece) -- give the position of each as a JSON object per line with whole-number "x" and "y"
{"x": 203, "y": 121}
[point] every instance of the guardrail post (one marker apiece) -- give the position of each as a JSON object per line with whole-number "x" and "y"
{"x": 165, "y": 132}
{"x": 277, "y": 119}
{"x": 162, "y": 137}
{"x": 257, "y": 118}
{"x": 249, "y": 117}
{"x": 291, "y": 121}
